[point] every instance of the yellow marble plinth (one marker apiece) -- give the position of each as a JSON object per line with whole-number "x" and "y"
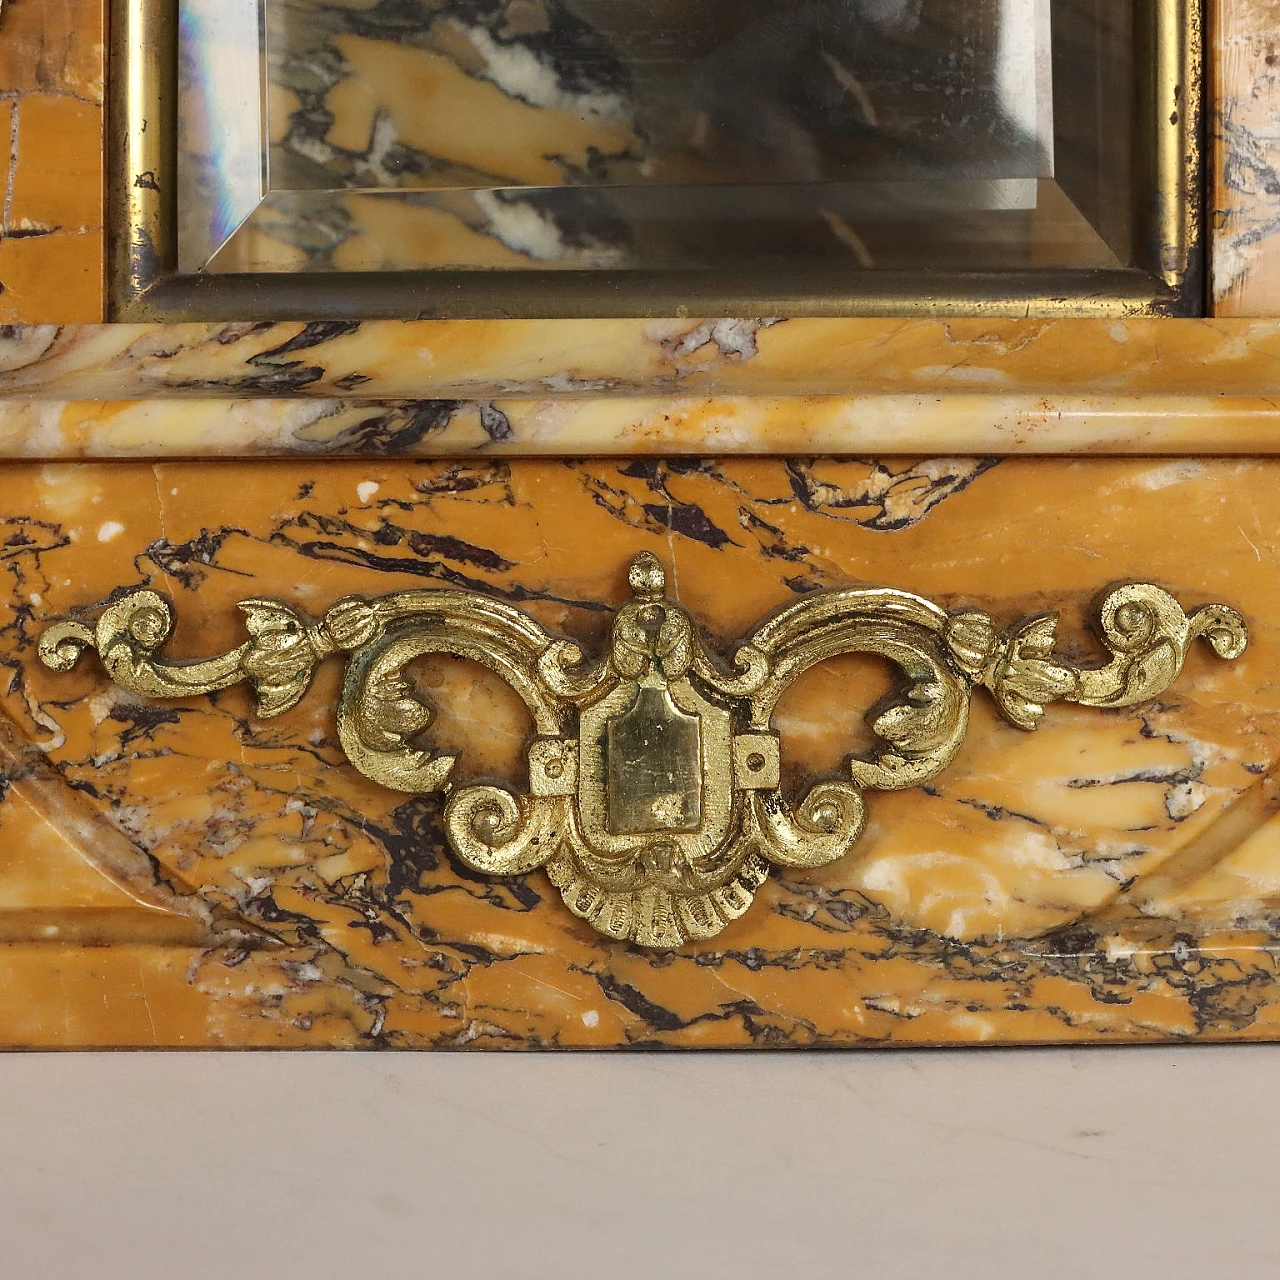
{"x": 186, "y": 873}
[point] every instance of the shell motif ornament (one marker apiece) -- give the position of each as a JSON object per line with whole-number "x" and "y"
{"x": 654, "y": 797}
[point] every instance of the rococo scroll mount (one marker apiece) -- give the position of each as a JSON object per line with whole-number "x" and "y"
{"x": 654, "y": 798}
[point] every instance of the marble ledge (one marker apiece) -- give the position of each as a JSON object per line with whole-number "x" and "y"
{"x": 685, "y": 425}
{"x": 484, "y": 360}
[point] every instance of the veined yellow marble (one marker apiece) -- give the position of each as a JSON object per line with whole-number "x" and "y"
{"x": 1110, "y": 878}
{"x": 483, "y": 359}
{"x": 51, "y": 228}
{"x": 889, "y": 424}
{"x": 185, "y": 875}
{"x": 1246, "y": 232}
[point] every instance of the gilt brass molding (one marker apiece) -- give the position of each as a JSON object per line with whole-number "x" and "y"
{"x": 146, "y": 285}
{"x": 654, "y": 796}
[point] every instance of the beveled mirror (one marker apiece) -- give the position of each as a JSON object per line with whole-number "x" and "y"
{"x": 469, "y": 158}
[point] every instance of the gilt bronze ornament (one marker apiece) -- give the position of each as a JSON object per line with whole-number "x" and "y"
{"x": 654, "y": 798}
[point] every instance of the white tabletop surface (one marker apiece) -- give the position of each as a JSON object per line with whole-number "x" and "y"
{"x": 1034, "y": 1165}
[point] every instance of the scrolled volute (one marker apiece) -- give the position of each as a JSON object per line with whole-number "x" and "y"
{"x": 655, "y": 795}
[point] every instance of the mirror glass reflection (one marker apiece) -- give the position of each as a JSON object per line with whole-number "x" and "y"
{"x": 357, "y": 135}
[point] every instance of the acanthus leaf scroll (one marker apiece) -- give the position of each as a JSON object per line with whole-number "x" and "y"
{"x": 654, "y": 801}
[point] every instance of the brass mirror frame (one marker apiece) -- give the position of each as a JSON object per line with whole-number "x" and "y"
{"x": 145, "y": 285}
